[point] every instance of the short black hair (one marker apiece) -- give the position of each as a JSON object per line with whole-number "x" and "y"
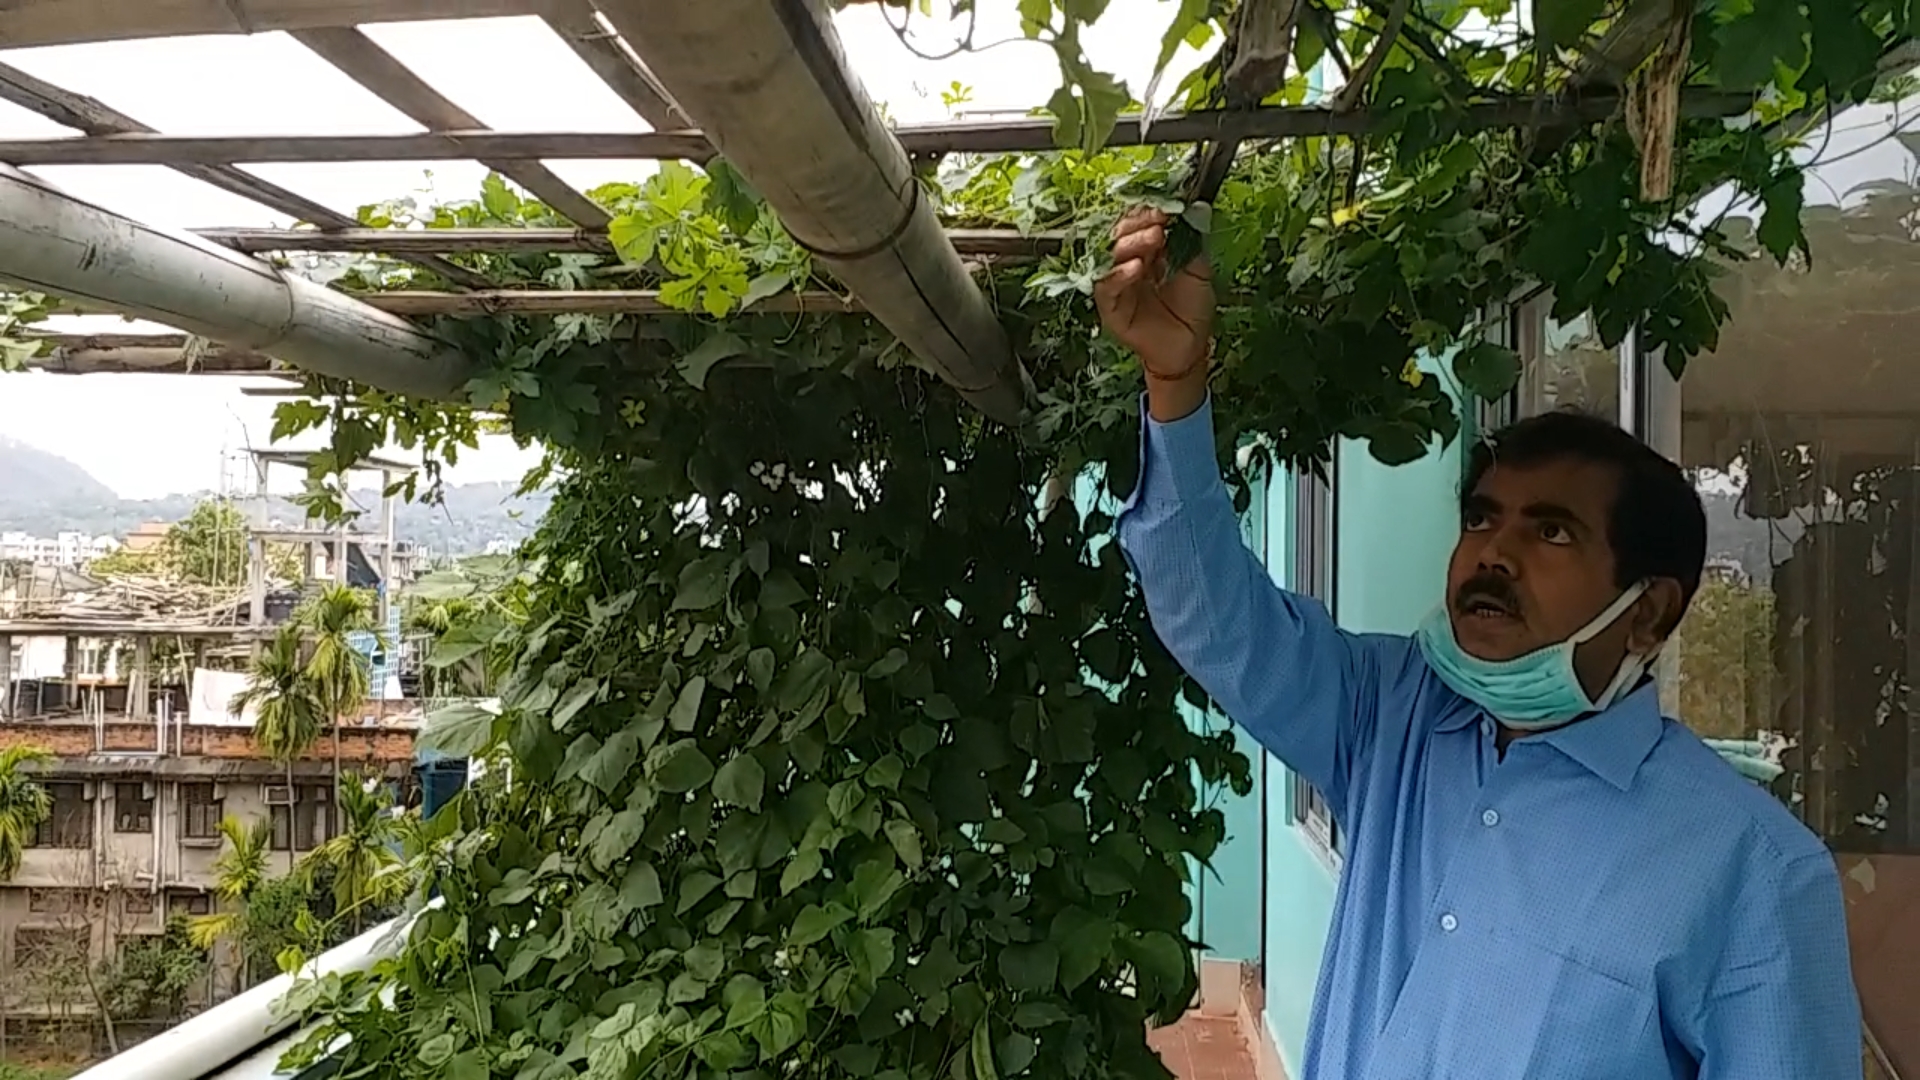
{"x": 1657, "y": 526}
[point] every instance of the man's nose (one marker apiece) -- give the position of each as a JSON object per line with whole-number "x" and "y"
{"x": 1496, "y": 556}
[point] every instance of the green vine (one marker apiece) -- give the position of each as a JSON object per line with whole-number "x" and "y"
{"x": 828, "y": 744}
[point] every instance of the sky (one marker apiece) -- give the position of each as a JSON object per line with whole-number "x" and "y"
{"x": 152, "y": 435}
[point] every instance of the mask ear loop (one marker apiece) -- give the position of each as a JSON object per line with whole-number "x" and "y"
{"x": 1633, "y": 665}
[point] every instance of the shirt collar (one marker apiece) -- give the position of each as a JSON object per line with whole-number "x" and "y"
{"x": 1611, "y": 744}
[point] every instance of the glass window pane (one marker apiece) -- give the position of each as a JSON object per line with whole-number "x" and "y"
{"x": 1802, "y": 434}
{"x": 1565, "y": 364}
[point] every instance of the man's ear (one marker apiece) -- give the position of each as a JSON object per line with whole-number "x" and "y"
{"x": 1655, "y": 616}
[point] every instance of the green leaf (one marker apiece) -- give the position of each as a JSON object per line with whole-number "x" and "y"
{"x": 633, "y": 239}
{"x": 1491, "y": 371}
{"x": 617, "y": 838}
{"x": 871, "y": 952}
{"x": 771, "y": 283}
{"x": 802, "y": 679}
{"x": 703, "y": 583}
{"x": 686, "y": 707}
{"x": 460, "y": 730}
{"x": 679, "y": 767}
{"x": 874, "y": 884}
{"x": 815, "y": 922}
{"x": 437, "y": 1051}
{"x": 1017, "y": 1051}
{"x": 1780, "y": 230}
{"x": 705, "y": 961}
{"x": 741, "y": 781}
{"x": 608, "y": 765}
{"x": 498, "y": 198}
{"x": 1030, "y": 968}
{"x": 1562, "y": 23}
{"x": 640, "y": 889}
{"x": 906, "y": 842}
{"x": 1749, "y": 46}
{"x": 719, "y": 345}
{"x": 1085, "y": 941}
{"x": 745, "y": 1000}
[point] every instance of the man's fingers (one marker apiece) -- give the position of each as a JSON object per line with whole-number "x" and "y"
{"x": 1114, "y": 293}
{"x": 1136, "y": 219}
{"x": 1146, "y": 245}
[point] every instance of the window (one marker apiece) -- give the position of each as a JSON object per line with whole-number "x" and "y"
{"x": 1314, "y": 575}
{"x": 70, "y": 825}
{"x": 306, "y": 822}
{"x": 190, "y": 904}
{"x": 1801, "y": 432}
{"x": 1565, "y": 365}
{"x": 136, "y": 903}
{"x": 54, "y": 901}
{"x": 202, "y": 809}
{"x": 46, "y": 949}
{"x": 132, "y": 808}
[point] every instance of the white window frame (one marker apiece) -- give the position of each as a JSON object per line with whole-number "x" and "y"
{"x": 1315, "y": 571}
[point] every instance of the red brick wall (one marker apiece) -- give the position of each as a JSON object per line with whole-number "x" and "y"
{"x": 203, "y": 740}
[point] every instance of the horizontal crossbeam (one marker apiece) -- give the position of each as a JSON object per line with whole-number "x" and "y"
{"x": 1007, "y": 136}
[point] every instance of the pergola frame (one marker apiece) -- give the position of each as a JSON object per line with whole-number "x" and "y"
{"x": 777, "y": 100}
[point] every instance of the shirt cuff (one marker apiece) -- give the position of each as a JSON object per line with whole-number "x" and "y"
{"x": 1176, "y": 458}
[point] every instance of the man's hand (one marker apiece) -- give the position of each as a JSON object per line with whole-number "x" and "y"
{"x": 1166, "y": 321}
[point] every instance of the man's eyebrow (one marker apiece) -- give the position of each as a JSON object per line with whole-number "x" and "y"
{"x": 1476, "y": 503}
{"x": 1554, "y": 512}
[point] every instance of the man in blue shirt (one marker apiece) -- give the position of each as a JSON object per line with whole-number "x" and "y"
{"x": 1544, "y": 878}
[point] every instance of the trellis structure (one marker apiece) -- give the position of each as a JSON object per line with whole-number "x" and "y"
{"x": 766, "y": 82}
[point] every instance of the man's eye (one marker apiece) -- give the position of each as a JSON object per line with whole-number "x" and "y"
{"x": 1473, "y": 522}
{"x": 1555, "y": 534}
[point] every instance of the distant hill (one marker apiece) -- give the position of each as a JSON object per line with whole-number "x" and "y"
{"x": 43, "y": 494}
{"x": 29, "y": 475}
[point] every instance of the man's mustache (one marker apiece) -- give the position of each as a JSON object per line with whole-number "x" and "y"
{"x": 1491, "y": 588}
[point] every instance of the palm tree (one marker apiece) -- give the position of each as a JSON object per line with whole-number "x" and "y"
{"x": 289, "y": 711}
{"x": 362, "y": 857}
{"x": 24, "y": 804}
{"x": 238, "y": 874}
{"x": 339, "y": 673}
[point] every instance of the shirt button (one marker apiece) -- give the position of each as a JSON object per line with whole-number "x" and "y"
{"x": 1490, "y": 818}
{"x": 1449, "y": 923}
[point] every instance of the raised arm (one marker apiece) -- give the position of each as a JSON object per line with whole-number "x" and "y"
{"x": 1273, "y": 660}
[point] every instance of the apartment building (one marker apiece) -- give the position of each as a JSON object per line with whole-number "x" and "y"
{"x": 68, "y": 549}
{"x": 134, "y": 832}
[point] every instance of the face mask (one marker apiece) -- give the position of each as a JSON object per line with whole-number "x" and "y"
{"x": 1536, "y": 691}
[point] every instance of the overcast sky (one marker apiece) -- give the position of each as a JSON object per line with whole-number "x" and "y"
{"x": 152, "y": 435}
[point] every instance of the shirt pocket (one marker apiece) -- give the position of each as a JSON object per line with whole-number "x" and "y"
{"x": 1485, "y": 1006}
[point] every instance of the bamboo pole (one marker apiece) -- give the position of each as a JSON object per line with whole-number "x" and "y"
{"x": 950, "y": 137}
{"x": 67, "y": 22}
{"x": 94, "y": 117}
{"x": 993, "y": 243}
{"x": 55, "y": 243}
{"x": 580, "y": 26}
{"x": 767, "y": 82}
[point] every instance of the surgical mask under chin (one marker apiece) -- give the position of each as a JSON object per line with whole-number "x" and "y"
{"x": 1536, "y": 691}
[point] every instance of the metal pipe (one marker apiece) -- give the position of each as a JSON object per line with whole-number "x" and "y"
{"x": 55, "y": 243}
{"x": 204, "y": 1044}
{"x": 768, "y": 84}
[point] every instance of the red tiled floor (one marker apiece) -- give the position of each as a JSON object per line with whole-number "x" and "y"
{"x": 1204, "y": 1048}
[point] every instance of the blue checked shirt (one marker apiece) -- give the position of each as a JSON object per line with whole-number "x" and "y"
{"x": 1609, "y": 902}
